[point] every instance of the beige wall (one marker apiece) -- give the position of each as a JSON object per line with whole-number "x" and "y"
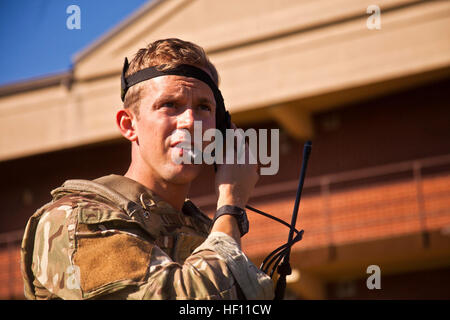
{"x": 277, "y": 59}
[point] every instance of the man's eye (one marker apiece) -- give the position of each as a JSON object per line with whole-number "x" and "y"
{"x": 205, "y": 107}
{"x": 169, "y": 105}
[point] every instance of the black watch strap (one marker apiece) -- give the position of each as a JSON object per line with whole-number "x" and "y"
{"x": 238, "y": 213}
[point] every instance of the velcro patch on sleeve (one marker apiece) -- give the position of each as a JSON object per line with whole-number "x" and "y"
{"x": 107, "y": 259}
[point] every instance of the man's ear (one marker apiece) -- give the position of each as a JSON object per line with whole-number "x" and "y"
{"x": 126, "y": 121}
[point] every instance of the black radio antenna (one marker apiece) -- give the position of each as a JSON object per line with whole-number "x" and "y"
{"x": 282, "y": 253}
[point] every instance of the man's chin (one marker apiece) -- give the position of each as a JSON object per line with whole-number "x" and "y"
{"x": 183, "y": 173}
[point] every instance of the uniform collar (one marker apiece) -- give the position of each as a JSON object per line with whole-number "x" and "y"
{"x": 136, "y": 192}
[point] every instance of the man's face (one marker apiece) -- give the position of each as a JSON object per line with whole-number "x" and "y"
{"x": 168, "y": 105}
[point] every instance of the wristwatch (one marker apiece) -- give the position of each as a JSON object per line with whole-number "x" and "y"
{"x": 238, "y": 213}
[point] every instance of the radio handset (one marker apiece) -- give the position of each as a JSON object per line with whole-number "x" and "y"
{"x": 223, "y": 122}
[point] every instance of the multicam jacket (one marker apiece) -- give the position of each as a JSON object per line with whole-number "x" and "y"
{"x": 112, "y": 238}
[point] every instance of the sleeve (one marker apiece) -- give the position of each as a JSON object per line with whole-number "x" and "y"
{"x": 217, "y": 269}
{"x": 255, "y": 284}
{"x": 109, "y": 258}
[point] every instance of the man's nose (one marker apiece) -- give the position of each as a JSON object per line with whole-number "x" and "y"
{"x": 186, "y": 119}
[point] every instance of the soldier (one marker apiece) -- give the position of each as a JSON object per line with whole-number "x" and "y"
{"x": 137, "y": 236}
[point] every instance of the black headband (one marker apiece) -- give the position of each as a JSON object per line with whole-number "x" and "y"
{"x": 222, "y": 116}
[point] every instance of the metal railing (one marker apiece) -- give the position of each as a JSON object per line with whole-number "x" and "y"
{"x": 323, "y": 188}
{"x": 413, "y": 167}
{"x": 325, "y": 181}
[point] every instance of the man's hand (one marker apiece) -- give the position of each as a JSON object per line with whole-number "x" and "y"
{"x": 234, "y": 185}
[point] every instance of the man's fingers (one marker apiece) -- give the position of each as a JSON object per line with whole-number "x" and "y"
{"x": 243, "y": 149}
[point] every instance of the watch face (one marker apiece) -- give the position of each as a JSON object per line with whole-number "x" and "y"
{"x": 244, "y": 223}
{"x": 238, "y": 213}
{"x": 246, "y": 226}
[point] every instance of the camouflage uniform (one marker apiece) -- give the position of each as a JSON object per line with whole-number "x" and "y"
{"x": 112, "y": 238}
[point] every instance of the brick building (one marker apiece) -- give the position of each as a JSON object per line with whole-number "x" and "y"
{"x": 374, "y": 103}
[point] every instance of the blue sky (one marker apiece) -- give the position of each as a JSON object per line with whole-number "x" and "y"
{"x": 34, "y": 38}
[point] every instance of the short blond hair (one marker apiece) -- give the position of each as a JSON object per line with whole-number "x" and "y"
{"x": 168, "y": 54}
